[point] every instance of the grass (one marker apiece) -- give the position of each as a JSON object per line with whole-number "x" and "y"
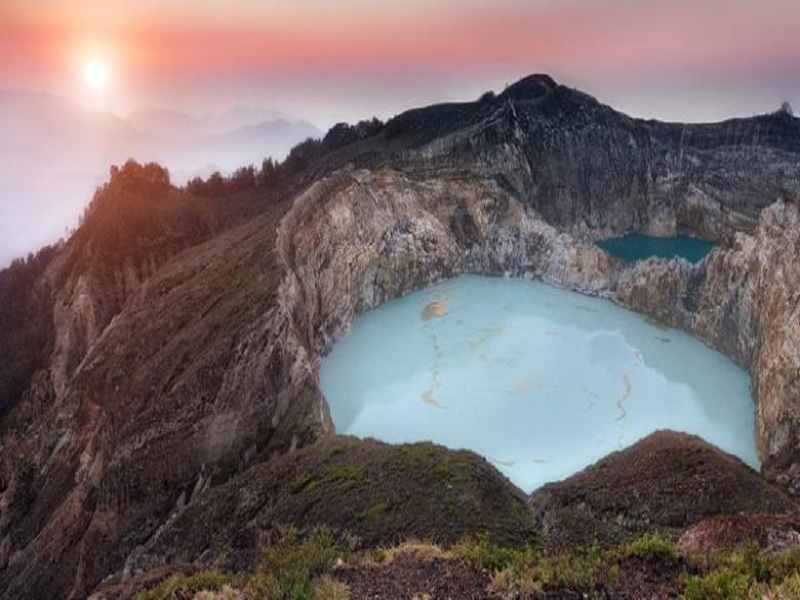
{"x": 731, "y": 573}
{"x": 182, "y": 587}
{"x": 336, "y": 479}
{"x": 650, "y": 545}
{"x": 291, "y": 566}
{"x": 487, "y": 556}
{"x": 422, "y": 551}
{"x": 745, "y": 573}
{"x": 304, "y": 568}
{"x": 374, "y": 512}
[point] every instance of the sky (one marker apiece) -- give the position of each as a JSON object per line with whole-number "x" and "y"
{"x": 331, "y": 61}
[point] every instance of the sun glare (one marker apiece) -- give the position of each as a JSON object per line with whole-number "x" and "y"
{"x": 95, "y": 74}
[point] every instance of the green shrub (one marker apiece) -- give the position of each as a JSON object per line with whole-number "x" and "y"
{"x": 182, "y": 587}
{"x": 788, "y": 589}
{"x": 511, "y": 583}
{"x": 374, "y": 512}
{"x": 746, "y": 572}
{"x": 289, "y": 567}
{"x": 485, "y": 555}
{"x": 650, "y": 545}
{"x": 328, "y": 588}
{"x": 721, "y": 584}
{"x": 785, "y": 566}
{"x": 579, "y": 569}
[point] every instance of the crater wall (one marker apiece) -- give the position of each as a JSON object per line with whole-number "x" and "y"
{"x": 361, "y": 238}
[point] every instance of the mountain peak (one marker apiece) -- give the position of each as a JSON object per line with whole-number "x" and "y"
{"x": 530, "y": 87}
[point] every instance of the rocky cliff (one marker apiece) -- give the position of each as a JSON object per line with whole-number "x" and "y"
{"x": 184, "y": 334}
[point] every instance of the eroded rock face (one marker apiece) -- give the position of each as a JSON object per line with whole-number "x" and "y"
{"x": 380, "y": 234}
{"x": 362, "y": 238}
{"x": 170, "y": 374}
{"x": 744, "y": 301}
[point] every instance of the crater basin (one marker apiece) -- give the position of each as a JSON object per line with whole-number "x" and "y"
{"x": 541, "y": 381}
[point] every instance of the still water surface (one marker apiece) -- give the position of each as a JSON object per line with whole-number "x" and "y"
{"x": 636, "y": 246}
{"x": 542, "y": 382}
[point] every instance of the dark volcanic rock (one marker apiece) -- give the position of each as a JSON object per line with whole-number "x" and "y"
{"x": 379, "y": 493}
{"x": 666, "y": 482}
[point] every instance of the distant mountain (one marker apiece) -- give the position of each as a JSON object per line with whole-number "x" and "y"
{"x": 155, "y": 121}
{"x": 158, "y": 121}
{"x": 54, "y": 153}
{"x": 249, "y": 144}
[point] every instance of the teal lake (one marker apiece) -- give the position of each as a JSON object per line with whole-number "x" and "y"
{"x": 636, "y": 246}
{"x": 542, "y": 382}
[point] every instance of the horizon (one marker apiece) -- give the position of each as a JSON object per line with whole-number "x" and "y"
{"x": 322, "y": 65}
{"x": 684, "y": 61}
{"x": 705, "y": 113}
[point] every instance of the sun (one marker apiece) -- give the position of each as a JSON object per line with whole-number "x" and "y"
{"x": 95, "y": 74}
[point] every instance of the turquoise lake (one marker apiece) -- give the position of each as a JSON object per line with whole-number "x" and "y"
{"x": 636, "y": 246}
{"x": 542, "y": 382}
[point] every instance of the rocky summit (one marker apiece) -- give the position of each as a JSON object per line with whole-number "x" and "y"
{"x": 159, "y": 390}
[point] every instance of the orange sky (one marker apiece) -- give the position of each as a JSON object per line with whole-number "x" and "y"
{"x": 156, "y": 49}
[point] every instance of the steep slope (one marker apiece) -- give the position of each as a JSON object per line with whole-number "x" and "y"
{"x": 183, "y": 334}
{"x": 376, "y": 493}
{"x": 587, "y": 168}
{"x": 665, "y": 483}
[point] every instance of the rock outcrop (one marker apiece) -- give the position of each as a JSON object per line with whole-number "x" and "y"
{"x": 742, "y": 300}
{"x": 374, "y": 493}
{"x": 664, "y": 483}
{"x": 185, "y": 333}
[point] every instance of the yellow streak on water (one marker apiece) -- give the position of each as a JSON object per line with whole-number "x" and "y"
{"x": 494, "y": 332}
{"x": 428, "y": 399}
{"x": 437, "y": 308}
{"x": 626, "y": 377}
{"x": 523, "y": 387}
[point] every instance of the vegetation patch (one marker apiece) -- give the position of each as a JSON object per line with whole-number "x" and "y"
{"x": 181, "y": 587}
{"x": 374, "y": 512}
{"x": 422, "y": 551}
{"x": 485, "y": 555}
{"x": 316, "y": 566}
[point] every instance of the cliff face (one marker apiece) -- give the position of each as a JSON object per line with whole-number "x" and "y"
{"x": 380, "y": 234}
{"x": 190, "y": 352}
{"x": 742, "y": 300}
{"x": 591, "y": 170}
{"x": 640, "y": 490}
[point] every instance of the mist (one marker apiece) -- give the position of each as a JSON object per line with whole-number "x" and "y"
{"x": 54, "y": 153}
